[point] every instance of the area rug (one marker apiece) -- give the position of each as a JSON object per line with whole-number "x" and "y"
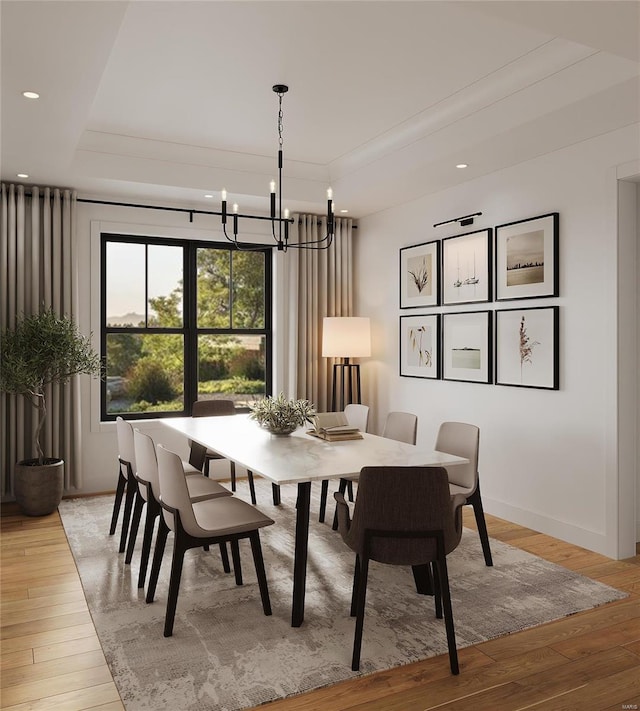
{"x": 226, "y": 655}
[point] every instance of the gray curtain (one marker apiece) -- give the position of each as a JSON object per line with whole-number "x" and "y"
{"x": 323, "y": 287}
{"x": 38, "y": 269}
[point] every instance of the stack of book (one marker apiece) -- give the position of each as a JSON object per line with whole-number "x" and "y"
{"x": 333, "y": 427}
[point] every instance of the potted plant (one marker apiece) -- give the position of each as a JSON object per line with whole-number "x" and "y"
{"x": 39, "y": 350}
{"x": 280, "y": 415}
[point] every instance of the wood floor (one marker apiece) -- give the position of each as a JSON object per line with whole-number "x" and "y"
{"x": 52, "y": 660}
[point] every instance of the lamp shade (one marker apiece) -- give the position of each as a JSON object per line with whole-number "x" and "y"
{"x": 346, "y": 337}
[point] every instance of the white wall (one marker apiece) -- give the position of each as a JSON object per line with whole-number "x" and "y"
{"x": 548, "y": 459}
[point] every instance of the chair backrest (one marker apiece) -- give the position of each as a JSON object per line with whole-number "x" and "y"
{"x": 463, "y": 440}
{"x": 210, "y": 408}
{"x": 357, "y": 416}
{"x": 174, "y": 491}
{"x": 126, "y": 450}
{"x": 402, "y": 426}
{"x": 146, "y": 461}
{"x": 404, "y": 499}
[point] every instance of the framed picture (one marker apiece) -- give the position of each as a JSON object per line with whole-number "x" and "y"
{"x": 466, "y": 268}
{"x": 420, "y": 346}
{"x": 527, "y": 347}
{"x": 467, "y": 346}
{"x": 527, "y": 258}
{"x": 419, "y": 275}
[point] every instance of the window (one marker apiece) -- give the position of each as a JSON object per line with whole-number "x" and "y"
{"x": 182, "y": 321}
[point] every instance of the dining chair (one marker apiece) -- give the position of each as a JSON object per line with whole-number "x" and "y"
{"x": 463, "y": 440}
{"x": 199, "y": 488}
{"x": 401, "y": 426}
{"x": 126, "y": 485}
{"x": 403, "y": 516}
{"x": 201, "y": 455}
{"x": 357, "y": 416}
{"x": 195, "y": 524}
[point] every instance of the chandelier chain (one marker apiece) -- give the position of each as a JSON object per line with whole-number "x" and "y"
{"x": 280, "y": 115}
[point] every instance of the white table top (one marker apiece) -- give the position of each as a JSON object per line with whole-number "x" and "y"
{"x": 299, "y": 457}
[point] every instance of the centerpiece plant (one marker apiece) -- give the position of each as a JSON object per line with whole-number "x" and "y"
{"x": 281, "y": 415}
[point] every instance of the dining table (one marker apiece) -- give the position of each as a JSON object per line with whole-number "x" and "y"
{"x": 301, "y": 459}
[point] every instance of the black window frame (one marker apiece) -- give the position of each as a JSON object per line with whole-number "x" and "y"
{"x": 189, "y": 330}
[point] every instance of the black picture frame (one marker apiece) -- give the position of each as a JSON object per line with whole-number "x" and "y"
{"x": 527, "y": 258}
{"x": 420, "y": 346}
{"x": 420, "y": 275}
{"x": 467, "y": 346}
{"x": 467, "y": 268}
{"x": 527, "y": 347}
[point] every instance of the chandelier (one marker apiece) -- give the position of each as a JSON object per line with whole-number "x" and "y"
{"x": 278, "y": 217}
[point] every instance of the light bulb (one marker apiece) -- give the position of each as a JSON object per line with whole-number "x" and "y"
{"x": 224, "y": 195}
{"x": 329, "y": 194}
{"x": 272, "y": 186}
{"x": 235, "y": 207}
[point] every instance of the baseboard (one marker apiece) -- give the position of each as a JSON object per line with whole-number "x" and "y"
{"x": 591, "y": 540}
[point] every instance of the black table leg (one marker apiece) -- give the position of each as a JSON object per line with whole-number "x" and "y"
{"x": 300, "y": 560}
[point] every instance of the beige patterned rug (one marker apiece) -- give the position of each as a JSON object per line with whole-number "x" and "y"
{"x": 226, "y": 655}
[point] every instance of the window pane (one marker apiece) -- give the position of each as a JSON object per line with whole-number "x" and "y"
{"x": 231, "y": 367}
{"x": 165, "y": 285}
{"x": 213, "y": 288}
{"x": 248, "y": 289}
{"x": 125, "y": 284}
{"x": 145, "y": 373}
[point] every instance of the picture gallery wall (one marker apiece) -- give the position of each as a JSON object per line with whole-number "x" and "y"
{"x": 503, "y": 346}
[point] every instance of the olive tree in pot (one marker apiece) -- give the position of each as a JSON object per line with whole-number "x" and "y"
{"x": 39, "y": 350}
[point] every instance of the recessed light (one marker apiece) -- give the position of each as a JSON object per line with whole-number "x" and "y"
{"x": 30, "y": 95}
{"x": 23, "y": 175}
{"x": 344, "y": 211}
{"x": 208, "y": 195}
{"x": 462, "y": 165}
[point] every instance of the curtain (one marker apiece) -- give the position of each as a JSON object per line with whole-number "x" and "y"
{"x": 321, "y": 285}
{"x": 38, "y": 269}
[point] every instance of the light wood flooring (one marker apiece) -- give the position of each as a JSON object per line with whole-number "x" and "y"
{"x": 52, "y": 660}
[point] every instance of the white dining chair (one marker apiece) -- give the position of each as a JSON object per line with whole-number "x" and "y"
{"x": 221, "y": 520}
{"x": 357, "y": 416}
{"x": 463, "y": 440}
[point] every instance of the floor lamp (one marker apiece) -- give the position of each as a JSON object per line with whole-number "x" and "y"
{"x": 345, "y": 337}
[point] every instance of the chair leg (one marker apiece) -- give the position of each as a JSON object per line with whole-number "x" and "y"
{"x": 275, "y": 492}
{"x": 354, "y": 589}
{"x": 441, "y": 566}
{"x": 135, "y": 525}
{"x": 258, "y": 561}
{"x": 342, "y": 487}
{"x": 362, "y": 595}
{"x": 174, "y": 586}
{"x": 237, "y": 565}
{"x": 252, "y": 488}
{"x": 350, "y": 490}
{"x": 224, "y": 554}
{"x": 323, "y": 500}
{"x": 232, "y": 467}
{"x": 132, "y": 489}
{"x": 120, "y": 487}
{"x": 437, "y": 591}
{"x": 476, "y": 502}
{"x": 161, "y": 540}
{"x": 423, "y": 579}
{"x": 147, "y": 537}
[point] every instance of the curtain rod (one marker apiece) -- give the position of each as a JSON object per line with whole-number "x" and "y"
{"x": 190, "y": 211}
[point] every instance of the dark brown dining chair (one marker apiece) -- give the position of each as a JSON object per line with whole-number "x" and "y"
{"x": 463, "y": 440}
{"x": 401, "y": 426}
{"x": 213, "y": 521}
{"x": 403, "y": 516}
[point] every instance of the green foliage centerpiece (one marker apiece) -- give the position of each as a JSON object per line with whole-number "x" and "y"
{"x": 280, "y": 415}
{"x": 39, "y": 350}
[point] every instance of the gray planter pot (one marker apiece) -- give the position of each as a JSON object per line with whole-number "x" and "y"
{"x": 37, "y": 487}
